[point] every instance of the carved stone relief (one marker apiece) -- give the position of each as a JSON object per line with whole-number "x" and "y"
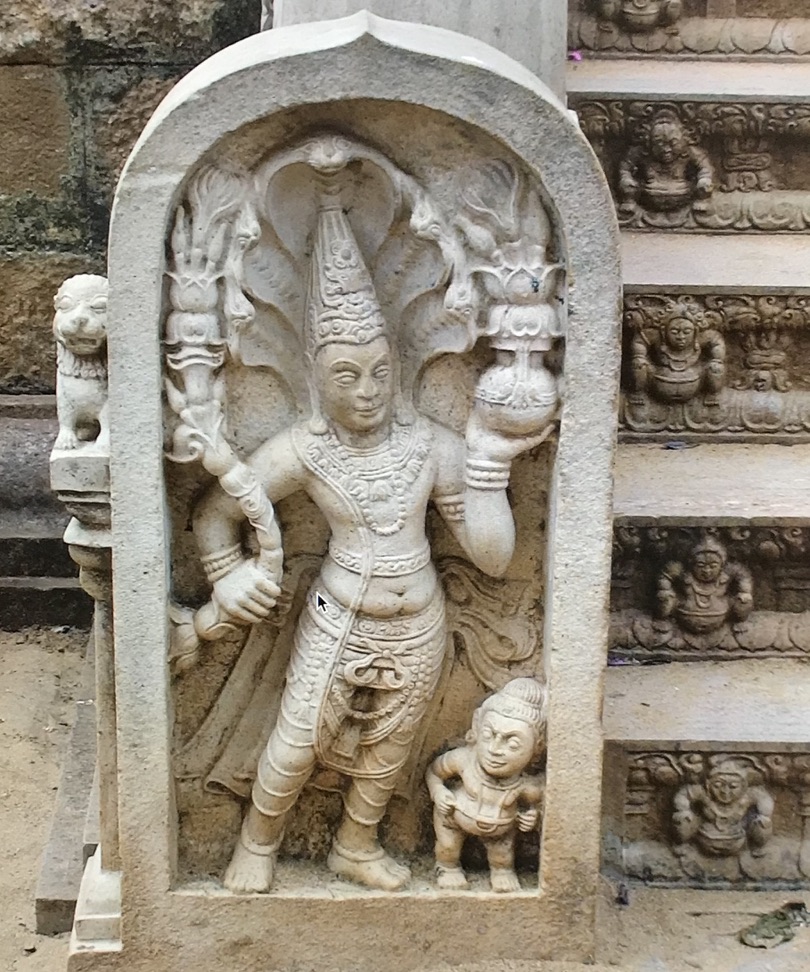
{"x": 707, "y": 819}
{"x": 703, "y": 166}
{"x": 716, "y": 365}
{"x": 689, "y": 594}
{"x": 324, "y": 285}
{"x": 482, "y": 789}
{"x": 673, "y": 27}
{"x": 80, "y": 329}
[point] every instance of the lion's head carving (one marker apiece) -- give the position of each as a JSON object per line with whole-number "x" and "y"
{"x": 80, "y": 321}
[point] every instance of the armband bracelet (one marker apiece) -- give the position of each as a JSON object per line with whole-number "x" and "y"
{"x": 487, "y": 474}
{"x": 219, "y": 564}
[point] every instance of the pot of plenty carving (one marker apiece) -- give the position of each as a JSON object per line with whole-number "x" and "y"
{"x": 641, "y": 15}
{"x": 674, "y": 386}
{"x": 720, "y": 843}
{"x": 665, "y": 195}
{"x": 701, "y": 621}
{"x": 518, "y": 394}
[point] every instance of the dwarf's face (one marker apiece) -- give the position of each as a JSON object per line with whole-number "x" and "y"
{"x": 680, "y": 334}
{"x": 504, "y": 746}
{"x": 666, "y": 141}
{"x": 726, "y": 787}
{"x": 707, "y": 565}
{"x": 80, "y": 321}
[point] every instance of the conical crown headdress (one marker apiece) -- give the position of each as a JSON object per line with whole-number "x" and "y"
{"x": 341, "y": 303}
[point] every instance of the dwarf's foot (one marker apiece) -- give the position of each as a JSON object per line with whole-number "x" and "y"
{"x": 503, "y": 879}
{"x": 451, "y": 878}
{"x": 373, "y": 868}
{"x": 251, "y": 868}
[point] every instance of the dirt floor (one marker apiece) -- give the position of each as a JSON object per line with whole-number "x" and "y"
{"x": 40, "y": 678}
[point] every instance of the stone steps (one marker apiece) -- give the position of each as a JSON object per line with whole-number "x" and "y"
{"x": 750, "y": 705}
{"x": 694, "y": 263}
{"x": 733, "y": 259}
{"x": 712, "y": 485}
{"x": 38, "y": 580}
{"x": 650, "y": 79}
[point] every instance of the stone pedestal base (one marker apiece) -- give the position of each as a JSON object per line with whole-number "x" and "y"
{"x": 97, "y": 925}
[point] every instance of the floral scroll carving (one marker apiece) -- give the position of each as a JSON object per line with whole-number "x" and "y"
{"x": 701, "y": 818}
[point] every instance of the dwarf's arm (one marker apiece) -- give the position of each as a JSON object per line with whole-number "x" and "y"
{"x": 760, "y": 830}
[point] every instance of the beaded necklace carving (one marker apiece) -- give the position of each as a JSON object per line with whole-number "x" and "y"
{"x": 378, "y": 480}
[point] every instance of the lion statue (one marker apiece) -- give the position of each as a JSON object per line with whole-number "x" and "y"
{"x": 80, "y": 328}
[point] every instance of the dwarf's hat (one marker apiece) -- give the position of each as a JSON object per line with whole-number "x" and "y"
{"x": 522, "y": 698}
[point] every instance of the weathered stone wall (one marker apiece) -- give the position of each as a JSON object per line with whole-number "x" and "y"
{"x": 78, "y": 80}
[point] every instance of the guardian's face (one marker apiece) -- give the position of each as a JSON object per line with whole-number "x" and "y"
{"x": 504, "y": 746}
{"x": 80, "y": 321}
{"x": 355, "y": 384}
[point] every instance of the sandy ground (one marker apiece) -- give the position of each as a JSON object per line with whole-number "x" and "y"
{"x": 40, "y": 677}
{"x": 39, "y": 680}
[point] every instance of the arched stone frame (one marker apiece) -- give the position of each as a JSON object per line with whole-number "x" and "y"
{"x": 366, "y": 57}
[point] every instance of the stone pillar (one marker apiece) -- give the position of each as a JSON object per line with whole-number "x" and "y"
{"x": 96, "y": 579}
{"x": 531, "y": 33}
{"x": 81, "y": 479}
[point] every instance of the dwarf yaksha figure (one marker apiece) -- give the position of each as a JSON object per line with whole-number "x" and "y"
{"x": 678, "y": 360}
{"x": 725, "y": 813}
{"x": 481, "y": 789}
{"x": 707, "y": 591}
{"x": 370, "y": 642}
{"x": 665, "y": 174}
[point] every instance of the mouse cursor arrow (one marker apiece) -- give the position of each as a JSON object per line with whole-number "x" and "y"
{"x": 320, "y": 603}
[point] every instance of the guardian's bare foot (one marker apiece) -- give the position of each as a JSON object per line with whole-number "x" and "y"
{"x": 451, "y": 878}
{"x": 503, "y": 879}
{"x": 373, "y": 868}
{"x": 251, "y": 868}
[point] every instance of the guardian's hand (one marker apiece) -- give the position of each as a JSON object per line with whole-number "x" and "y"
{"x": 484, "y": 443}
{"x": 247, "y": 593}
